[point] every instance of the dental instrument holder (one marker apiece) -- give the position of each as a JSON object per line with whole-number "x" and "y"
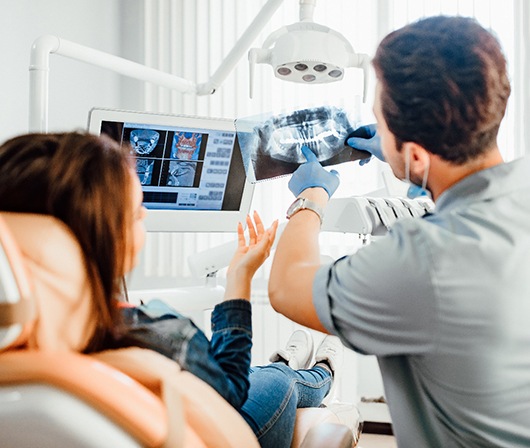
{"x": 370, "y": 216}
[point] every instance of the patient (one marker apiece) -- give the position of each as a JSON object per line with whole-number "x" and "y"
{"x": 89, "y": 188}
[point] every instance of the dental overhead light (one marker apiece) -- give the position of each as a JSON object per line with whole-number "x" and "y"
{"x": 306, "y": 52}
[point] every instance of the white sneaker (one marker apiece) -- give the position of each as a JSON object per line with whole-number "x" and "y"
{"x": 298, "y": 352}
{"x": 331, "y": 350}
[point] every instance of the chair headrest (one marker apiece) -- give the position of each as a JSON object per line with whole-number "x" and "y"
{"x": 61, "y": 290}
{"x": 17, "y": 309}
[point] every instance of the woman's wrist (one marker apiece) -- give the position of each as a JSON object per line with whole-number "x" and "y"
{"x": 238, "y": 285}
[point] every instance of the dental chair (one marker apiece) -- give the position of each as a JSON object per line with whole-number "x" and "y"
{"x": 119, "y": 398}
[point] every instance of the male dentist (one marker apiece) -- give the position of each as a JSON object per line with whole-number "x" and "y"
{"x": 442, "y": 301}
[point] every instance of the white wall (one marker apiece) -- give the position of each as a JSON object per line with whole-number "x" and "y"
{"x": 74, "y": 87}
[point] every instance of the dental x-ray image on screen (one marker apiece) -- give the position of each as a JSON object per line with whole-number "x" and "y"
{"x": 271, "y": 144}
{"x": 165, "y": 158}
{"x": 143, "y": 141}
{"x": 186, "y": 145}
{"x": 191, "y": 169}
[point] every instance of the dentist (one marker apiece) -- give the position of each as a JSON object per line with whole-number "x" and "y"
{"x": 442, "y": 301}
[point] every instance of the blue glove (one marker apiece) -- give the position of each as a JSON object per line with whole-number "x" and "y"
{"x": 312, "y": 174}
{"x": 366, "y": 139}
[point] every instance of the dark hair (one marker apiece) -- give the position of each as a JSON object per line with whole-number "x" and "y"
{"x": 444, "y": 86}
{"x": 83, "y": 181}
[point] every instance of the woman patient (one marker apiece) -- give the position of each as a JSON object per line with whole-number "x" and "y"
{"x": 89, "y": 188}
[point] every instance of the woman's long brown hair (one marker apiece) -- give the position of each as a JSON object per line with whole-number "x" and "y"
{"x": 84, "y": 181}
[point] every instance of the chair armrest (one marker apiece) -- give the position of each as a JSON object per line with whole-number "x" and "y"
{"x": 130, "y": 405}
{"x": 207, "y": 414}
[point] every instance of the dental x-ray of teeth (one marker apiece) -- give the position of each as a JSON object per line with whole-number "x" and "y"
{"x": 143, "y": 141}
{"x": 271, "y": 144}
{"x": 144, "y": 168}
{"x": 181, "y": 174}
{"x": 186, "y": 145}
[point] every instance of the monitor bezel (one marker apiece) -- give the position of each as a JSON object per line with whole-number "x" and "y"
{"x": 180, "y": 220}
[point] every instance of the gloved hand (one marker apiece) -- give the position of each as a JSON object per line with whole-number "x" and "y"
{"x": 312, "y": 174}
{"x": 367, "y": 139}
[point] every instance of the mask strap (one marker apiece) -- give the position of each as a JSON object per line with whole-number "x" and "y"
{"x": 407, "y": 164}
{"x": 426, "y": 174}
{"x": 407, "y": 169}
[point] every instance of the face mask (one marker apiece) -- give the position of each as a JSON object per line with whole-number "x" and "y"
{"x": 416, "y": 191}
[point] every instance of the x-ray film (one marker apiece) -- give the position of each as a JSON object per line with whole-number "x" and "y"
{"x": 271, "y": 145}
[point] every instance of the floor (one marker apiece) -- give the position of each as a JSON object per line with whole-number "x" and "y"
{"x": 376, "y": 441}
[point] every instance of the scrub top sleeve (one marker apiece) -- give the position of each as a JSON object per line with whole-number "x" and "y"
{"x": 381, "y": 300}
{"x": 320, "y": 299}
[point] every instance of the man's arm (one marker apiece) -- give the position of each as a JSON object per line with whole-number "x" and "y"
{"x": 295, "y": 263}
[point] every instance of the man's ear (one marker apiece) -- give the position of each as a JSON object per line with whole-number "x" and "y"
{"x": 419, "y": 158}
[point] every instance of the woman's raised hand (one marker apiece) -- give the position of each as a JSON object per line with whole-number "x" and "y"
{"x": 249, "y": 256}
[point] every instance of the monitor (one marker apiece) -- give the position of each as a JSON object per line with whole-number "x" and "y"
{"x": 190, "y": 168}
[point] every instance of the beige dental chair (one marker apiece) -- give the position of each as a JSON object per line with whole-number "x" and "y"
{"x": 119, "y": 398}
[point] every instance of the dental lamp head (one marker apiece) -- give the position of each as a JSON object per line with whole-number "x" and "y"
{"x": 308, "y": 53}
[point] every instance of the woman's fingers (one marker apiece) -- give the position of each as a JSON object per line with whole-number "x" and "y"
{"x": 259, "y": 225}
{"x": 241, "y": 242}
{"x": 251, "y": 231}
{"x": 256, "y": 231}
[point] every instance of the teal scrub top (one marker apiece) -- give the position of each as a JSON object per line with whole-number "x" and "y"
{"x": 443, "y": 301}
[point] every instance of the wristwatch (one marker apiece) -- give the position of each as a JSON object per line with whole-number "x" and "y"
{"x": 305, "y": 204}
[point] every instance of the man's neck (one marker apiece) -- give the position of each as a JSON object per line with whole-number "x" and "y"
{"x": 443, "y": 174}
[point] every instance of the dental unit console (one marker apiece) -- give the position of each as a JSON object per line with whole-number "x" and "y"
{"x": 190, "y": 168}
{"x": 371, "y": 215}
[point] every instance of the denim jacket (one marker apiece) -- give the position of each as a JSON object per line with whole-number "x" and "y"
{"x": 223, "y": 362}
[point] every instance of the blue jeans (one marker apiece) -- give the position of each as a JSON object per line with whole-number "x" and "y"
{"x": 267, "y": 397}
{"x": 276, "y": 392}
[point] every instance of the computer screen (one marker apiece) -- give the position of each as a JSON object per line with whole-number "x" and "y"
{"x": 190, "y": 168}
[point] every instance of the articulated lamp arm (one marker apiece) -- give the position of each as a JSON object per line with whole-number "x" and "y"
{"x": 44, "y": 46}
{"x": 39, "y": 71}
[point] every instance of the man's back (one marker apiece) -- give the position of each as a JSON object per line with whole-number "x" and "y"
{"x": 472, "y": 386}
{"x": 443, "y": 302}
